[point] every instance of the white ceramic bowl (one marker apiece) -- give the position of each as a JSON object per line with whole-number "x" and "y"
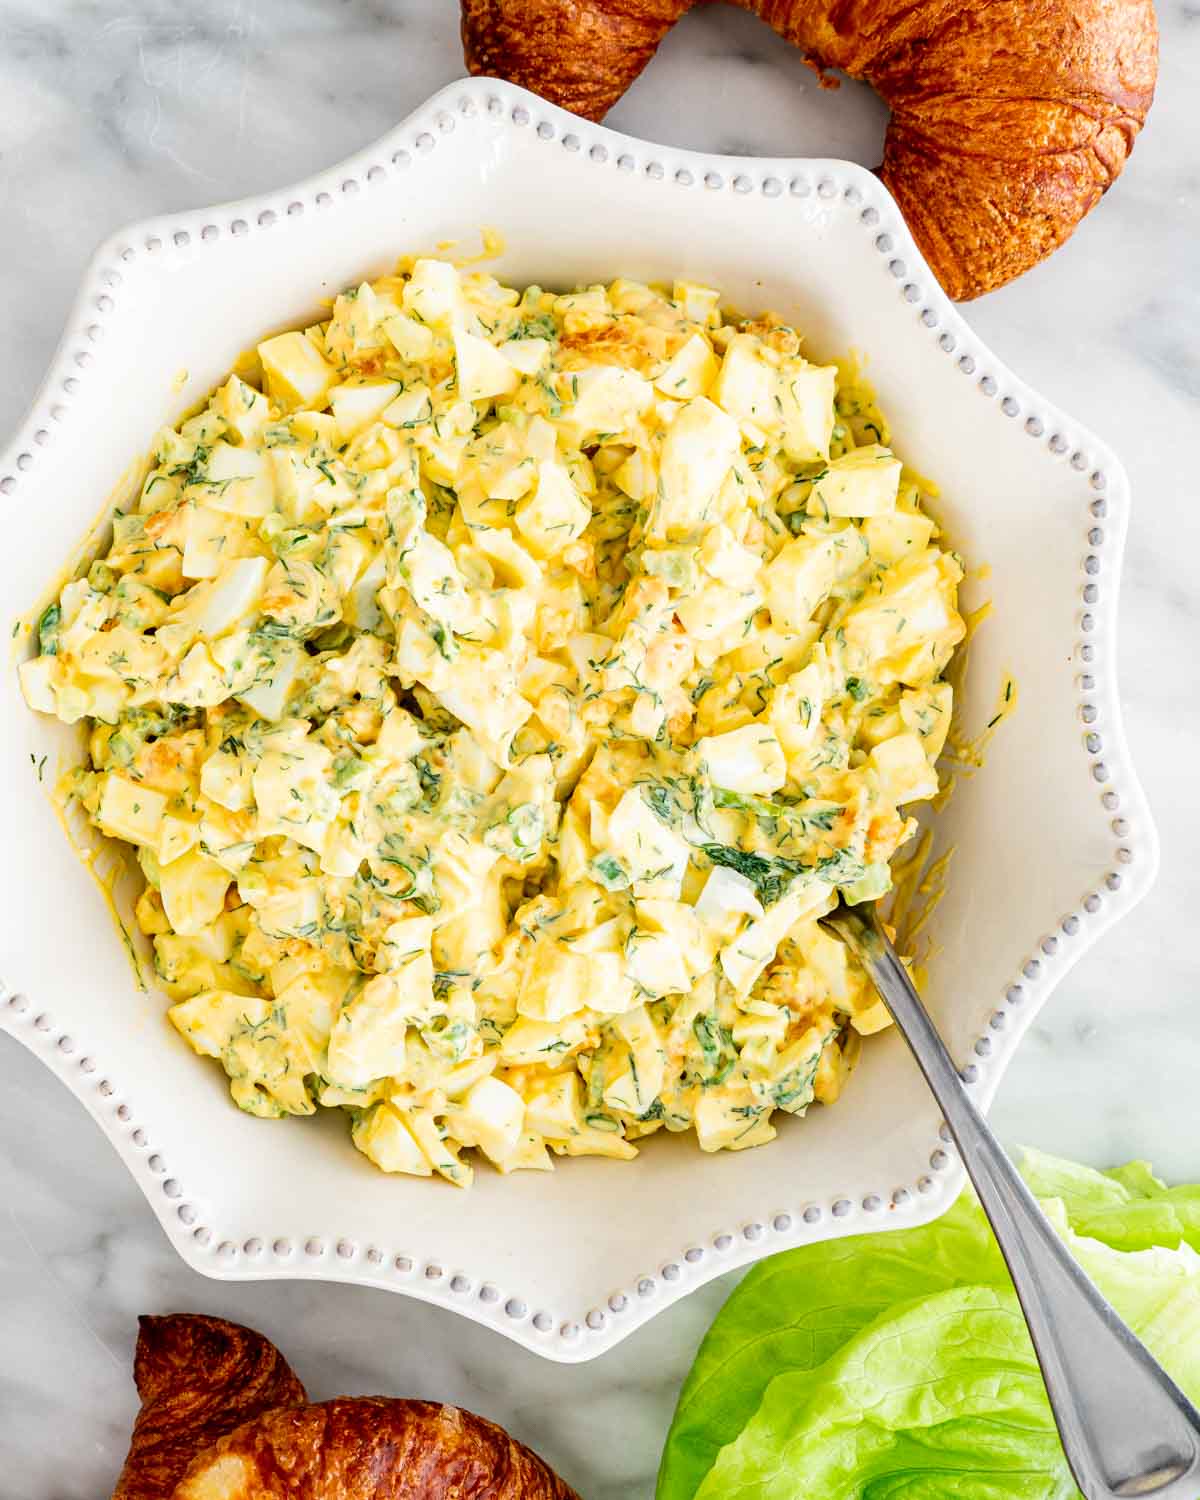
{"x": 1053, "y": 840}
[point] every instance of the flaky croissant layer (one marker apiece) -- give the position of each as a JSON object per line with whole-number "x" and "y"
{"x": 370, "y": 1448}
{"x": 224, "y": 1418}
{"x": 198, "y": 1378}
{"x": 1009, "y": 118}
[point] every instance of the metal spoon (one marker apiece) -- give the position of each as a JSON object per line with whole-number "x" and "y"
{"x": 1126, "y": 1427}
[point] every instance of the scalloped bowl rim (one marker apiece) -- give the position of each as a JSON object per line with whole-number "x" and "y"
{"x": 586, "y": 1332}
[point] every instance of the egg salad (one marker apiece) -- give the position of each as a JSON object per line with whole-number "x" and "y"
{"x": 496, "y": 688}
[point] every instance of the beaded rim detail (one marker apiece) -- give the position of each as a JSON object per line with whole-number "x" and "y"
{"x": 577, "y": 1334}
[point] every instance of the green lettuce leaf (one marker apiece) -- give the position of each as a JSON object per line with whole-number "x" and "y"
{"x": 1129, "y": 1208}
{"x": 897, "y": 1366}
{"x": 795, "y": 1311}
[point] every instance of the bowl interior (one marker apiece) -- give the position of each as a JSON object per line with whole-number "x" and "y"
{"x": 175, "y": 302}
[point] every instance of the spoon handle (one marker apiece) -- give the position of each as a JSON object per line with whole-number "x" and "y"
{"x": 1126, "y": 1427}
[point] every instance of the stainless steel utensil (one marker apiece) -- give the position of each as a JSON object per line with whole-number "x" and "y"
{"x": 1126, "y": 1427}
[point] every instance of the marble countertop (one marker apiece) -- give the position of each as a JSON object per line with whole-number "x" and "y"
{"x": 112, "y": 111}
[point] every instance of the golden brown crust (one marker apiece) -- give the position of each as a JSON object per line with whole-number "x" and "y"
{"x": 993, "y": 177}
{"x": 370, "y": 1448}
{"x": 583, "y": 54}
{"x": 198, "y": 1378}
{"x": 1010, "y": 118}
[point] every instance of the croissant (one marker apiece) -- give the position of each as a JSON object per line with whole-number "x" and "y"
{"x": 370, "y": 1448}
{"x": 198, "y": 1378}
{"x": 223, "y": 1418}
{"x": 1009, "y": 118}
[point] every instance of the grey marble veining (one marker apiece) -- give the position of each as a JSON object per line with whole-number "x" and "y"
{"x": 111, "y": 111}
